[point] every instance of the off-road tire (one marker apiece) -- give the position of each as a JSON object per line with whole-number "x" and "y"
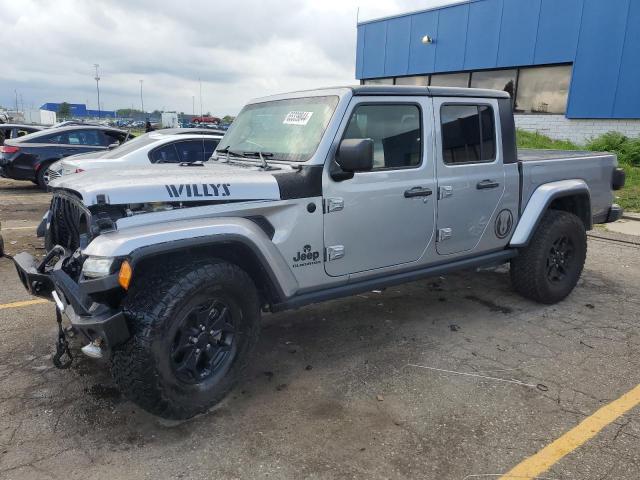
{"x": 529, "y": 270}
{"x": 142, "y": 368}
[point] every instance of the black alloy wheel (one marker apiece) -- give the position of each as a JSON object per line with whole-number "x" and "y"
{"x": 204, "y": 342}
{"x": 559, "y": 259}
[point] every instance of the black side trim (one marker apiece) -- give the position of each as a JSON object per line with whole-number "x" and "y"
{"x": 303, "y": 183}
{"x": 213, "y": 240}
{"x": 508, "y": 127}
{"x": 298, "y": 301}
{"x": 264, "y": 224}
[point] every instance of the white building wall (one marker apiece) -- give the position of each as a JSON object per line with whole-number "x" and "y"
{"x": 578, "y": 131}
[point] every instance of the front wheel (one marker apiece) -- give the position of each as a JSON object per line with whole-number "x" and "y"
{"x": 193, "y": 332}
{"x": 549, "y": 268}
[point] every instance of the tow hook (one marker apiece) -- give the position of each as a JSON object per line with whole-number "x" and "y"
{"x": 62, "y": 358}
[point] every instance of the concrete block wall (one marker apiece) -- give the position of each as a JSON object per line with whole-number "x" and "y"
{"x": 578, "y": 131}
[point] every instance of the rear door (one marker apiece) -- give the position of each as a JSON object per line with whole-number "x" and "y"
{"x": 471, "y": 177}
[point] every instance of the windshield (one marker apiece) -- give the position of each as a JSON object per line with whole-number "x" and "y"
{"x": 288, "y": 129}
{"x": 129, "y": 146}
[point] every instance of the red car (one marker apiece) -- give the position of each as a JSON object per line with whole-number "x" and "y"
{"x": 205, "y": 119}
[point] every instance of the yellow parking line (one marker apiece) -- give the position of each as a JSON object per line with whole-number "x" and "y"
{"x": 26, "y": 303}
{"x": 30, "y": 227}
{"x": 567, "y": 443}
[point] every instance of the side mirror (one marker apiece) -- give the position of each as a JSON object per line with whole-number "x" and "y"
{"x": 355, "y": 155}
{"x": 113, "y": 145}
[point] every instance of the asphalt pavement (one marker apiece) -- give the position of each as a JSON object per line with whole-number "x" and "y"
{"x": 454, "y": 377}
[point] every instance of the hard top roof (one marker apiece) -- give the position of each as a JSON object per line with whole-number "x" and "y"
{"x": 427, "y": 91}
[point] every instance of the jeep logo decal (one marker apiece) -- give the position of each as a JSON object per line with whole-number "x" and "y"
{"x": 306, "y": 257}
{"x": 193, "y": 190}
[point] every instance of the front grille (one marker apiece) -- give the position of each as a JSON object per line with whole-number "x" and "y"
{"x": 70, "y": 221}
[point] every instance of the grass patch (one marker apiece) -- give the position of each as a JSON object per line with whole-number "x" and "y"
{"x": 627, "y": 150}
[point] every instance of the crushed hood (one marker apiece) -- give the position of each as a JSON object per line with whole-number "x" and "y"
{"x": 172, "y": 183}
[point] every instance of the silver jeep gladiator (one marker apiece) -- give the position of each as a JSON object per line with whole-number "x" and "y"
{"x": 310, "y": 196}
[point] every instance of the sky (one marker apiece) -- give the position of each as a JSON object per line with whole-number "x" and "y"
{"x": 239, "y": 49}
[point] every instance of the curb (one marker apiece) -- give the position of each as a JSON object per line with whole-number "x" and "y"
{"x": 635, "y": 217}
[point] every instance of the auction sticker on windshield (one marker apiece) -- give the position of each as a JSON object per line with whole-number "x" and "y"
{"x": 297, "y": 118}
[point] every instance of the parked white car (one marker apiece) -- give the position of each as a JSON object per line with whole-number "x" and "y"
{"x": 177, "y": 145}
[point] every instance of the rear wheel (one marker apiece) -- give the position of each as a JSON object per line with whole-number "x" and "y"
{"x": 549, "y": 268}
{"x": 193, "y": 332}
{"x": 42, "y": 177}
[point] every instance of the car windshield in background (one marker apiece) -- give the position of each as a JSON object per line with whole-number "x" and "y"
{"x": 289, "y": 129}
{"x": 130, "y": 146}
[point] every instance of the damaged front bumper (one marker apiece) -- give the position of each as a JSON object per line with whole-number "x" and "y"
{"x": 98, "y": 322}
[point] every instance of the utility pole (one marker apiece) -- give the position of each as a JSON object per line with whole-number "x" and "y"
{"x": 193, "y": 105}
{"x": 16, "y": 92}
{"x": 141, "y": 99}
{"x": 97, "y": 79}
{"x": 200, "y": 96}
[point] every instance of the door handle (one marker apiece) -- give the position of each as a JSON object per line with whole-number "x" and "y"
{"x": 417, "y": 192}
{"x": 486, "y": 184}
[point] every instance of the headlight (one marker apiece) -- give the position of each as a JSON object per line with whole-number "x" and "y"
{"x": 95, "y": 267}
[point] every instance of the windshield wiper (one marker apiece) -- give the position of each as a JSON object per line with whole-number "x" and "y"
{"x": 260, "y": 154}
{"x": 226, "y": 150}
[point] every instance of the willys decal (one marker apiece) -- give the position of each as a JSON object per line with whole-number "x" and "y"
{"x": 193, "y": 190}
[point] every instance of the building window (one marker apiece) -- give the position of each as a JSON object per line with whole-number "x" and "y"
{"x": 379, "y": 81}
{"x": 496, "y": 80}
{"x": 450, "y": 80}
{"x": 419, "y": 80}
{"x": 468, "y": 134}
{"x": 395, "y": 131}
{"x": 543, "y": 89}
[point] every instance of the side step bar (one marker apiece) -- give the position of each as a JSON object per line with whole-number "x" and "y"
{"x": 297, "y": 301}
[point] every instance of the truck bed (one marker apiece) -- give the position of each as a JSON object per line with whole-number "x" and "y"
{"x": 538, "y": 167}
{"x": 531, "y": 155}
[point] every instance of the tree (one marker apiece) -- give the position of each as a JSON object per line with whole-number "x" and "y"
{"x": 228, "y": 118}
{"x": 64, "y": 110}
{"x": 127, "y": 112}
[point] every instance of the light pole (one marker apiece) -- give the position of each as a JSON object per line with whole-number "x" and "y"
{"x": 193, "y": 105}
{"x": 97, "y": 79}
{"x": 200, "y": 97}
{"x": 16, "y": 92}
{"x": 141, "y": 99}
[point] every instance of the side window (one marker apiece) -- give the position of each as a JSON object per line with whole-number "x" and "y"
{"x": 209, "y": 147}
{"x": 58, "y": 139}
{"x": 468, "y": 134}
{"x": 85, "y": 137}
{"x": 165, "y": 154}
{"x": 112, "y": 137}
{"x": 395, "y": 130}
{"x": 190, "y": 151}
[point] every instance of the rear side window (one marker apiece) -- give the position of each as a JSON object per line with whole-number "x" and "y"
{"x": 165, "y": 154}
{"x": 190, "y": 151}
{"x": 468, "y": 134}
{"x": 86, "y": 137}
{"x": 395, "y": 131}
{"x": 209, "y": 147}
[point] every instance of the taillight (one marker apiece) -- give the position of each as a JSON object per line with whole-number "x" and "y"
{"x": 8, "y": 149}
{"x": 78, "y": 170}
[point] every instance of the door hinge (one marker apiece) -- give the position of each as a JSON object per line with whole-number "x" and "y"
{"x": 335, "y": 252}
{"x": 444, "y": 234}
{"x": 333, "y": 205}
{"x": 445, "y": 191}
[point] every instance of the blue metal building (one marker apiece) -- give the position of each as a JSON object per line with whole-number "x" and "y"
{"x": 578, "y": 58}
{"x": 79, "y": 110}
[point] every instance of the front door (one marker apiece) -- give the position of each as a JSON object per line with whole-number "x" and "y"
{"x": 471, "y": 177}
{"x": 386, "y": 216}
